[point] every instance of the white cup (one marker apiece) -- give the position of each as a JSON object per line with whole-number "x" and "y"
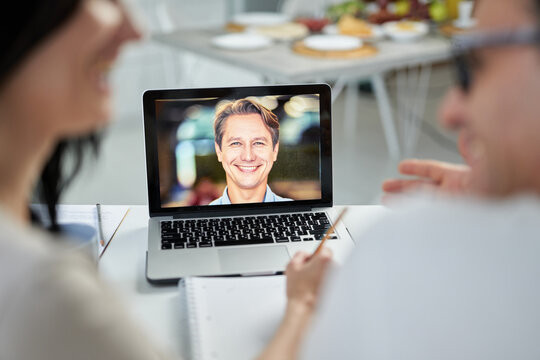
{"x": 465, "y": 11}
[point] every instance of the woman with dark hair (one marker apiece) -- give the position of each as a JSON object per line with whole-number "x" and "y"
{"x": 53, "y": 93}
{"x": 54, "y": 97}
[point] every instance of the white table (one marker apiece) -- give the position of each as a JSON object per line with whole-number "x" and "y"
{"x": 279, "y": 64}
{"x": 158, "y": 307}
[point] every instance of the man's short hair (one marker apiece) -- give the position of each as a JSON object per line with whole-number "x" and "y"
{"x": 245, "y": 107}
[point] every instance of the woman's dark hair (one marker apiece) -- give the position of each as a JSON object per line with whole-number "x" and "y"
{"x": 24, "y": 26}
{"x": 56, "y": 174}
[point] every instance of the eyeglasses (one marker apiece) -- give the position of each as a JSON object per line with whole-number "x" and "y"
{"x": 464, "y": 45}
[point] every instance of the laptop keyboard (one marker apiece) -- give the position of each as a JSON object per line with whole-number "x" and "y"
{"x": 262, "y": 229}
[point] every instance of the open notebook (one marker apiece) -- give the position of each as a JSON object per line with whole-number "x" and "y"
{"x": 232, "y": 318}
{"x": 70, "y": 216}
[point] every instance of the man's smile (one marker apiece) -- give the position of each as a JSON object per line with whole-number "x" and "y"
{"x": 247, "y": 168}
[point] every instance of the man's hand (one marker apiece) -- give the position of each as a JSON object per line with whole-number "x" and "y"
{"x": 431, "y": 176}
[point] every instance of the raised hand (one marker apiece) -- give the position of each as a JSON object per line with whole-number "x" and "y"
{"x": 430, "y": 175}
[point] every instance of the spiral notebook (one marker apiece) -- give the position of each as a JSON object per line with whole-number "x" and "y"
{"x": 232, "y": 318}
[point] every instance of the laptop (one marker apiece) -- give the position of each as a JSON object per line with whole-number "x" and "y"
{"x": 239, "y": 179}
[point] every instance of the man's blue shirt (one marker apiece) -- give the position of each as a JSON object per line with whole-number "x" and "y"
{"x": 269, "y": 196}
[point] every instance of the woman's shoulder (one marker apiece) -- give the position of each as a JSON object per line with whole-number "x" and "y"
{"x": 55, "y": 300}
{"x": 21, "y": 248}
{"x": 35, "y": 261}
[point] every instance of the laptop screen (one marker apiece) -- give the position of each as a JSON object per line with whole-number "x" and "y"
{"x": 237, "y": 148}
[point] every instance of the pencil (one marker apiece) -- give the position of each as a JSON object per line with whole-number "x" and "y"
{"x": 100, "y": 225}
{"x": 329, "y": 231}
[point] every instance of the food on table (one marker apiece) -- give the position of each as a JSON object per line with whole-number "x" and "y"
{"x": 287, "y": 31}
{"x": 383, "y": 16}
{"x": 354, "y": 8}
{"x": 438, "y": 11}
{"x": 419, "y": 11}
{"x": 349, "y": 25}
{"x": 381, "y": 12}
{"x": 313, "y": 24}
{"x": 406, "y": 31}
{"x": 402, "y": 7}
{"x": 406, "y": 26}
{"x": 383, "y": 4}
{"x": 232, "y": 27}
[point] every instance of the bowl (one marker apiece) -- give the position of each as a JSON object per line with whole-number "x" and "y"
{"x": 241, "y": 41}
{"x": 312, "y": 23}
{"x": 405, "y": 31}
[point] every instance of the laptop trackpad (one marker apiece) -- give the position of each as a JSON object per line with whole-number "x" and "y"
{"x": 253, "y": 260}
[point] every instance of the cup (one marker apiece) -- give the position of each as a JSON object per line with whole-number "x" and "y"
{"x": 465, "y": 10}
{"x": 83, "y": 238}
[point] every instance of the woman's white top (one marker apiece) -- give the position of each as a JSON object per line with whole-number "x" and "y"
{"x": 53, "y": 304}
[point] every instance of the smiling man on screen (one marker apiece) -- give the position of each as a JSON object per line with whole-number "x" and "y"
{"x": 247, "y": 145}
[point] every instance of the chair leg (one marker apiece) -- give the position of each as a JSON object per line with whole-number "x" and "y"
{"x": 387, "y": 120}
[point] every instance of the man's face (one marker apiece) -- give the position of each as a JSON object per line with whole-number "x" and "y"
{"x": 246, "y": 153}
{"x": 499, "y": 117}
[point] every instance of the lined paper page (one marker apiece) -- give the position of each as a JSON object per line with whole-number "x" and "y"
{"x": 233, "y": 318}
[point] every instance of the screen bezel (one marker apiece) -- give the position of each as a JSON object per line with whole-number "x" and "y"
{"x": 152, "y": 170}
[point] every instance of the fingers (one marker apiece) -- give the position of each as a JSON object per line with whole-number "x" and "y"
{"x": 322, "y": 259}
{"x": 301, "y": 259}
{"x": 403, "y": 185}
{"x": 423, "y": 168}
{"x": 305, "y": 274}
{"x": 297, "y": 261}
{"x": 325, "y": 255}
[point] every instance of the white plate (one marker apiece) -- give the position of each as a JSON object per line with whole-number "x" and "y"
{"x": 377, "y": 31}
{"x": 241, "y": 41}
{"x": 467, "y": 24}
{"x": 395, "y": 32}
{"x": 332, "y": 42}
{"x": 260, "y": 19}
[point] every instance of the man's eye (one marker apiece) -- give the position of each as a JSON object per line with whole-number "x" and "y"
{"x": 236, "y": 143}
{"x": 259, "y": 143}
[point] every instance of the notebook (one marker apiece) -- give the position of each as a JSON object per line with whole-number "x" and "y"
{"x": 72, "y": 218}
{"x": 232, "y": 317}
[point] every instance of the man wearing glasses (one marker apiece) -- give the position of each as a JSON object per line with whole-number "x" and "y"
{"x": 454, "y": 278}
{"x": 498, "y": 94}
